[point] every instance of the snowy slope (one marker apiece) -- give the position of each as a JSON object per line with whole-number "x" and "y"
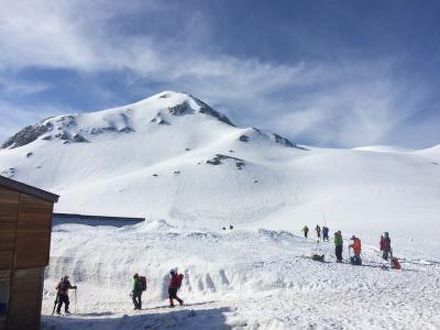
{"x": 190, "y": 171}
{"x": 172, "y": 156}
{"x": 235, "y": 279}
{"x": 126, "y": 147}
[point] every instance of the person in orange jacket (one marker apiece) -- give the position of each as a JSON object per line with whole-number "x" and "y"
{"x": 357, "y": 249}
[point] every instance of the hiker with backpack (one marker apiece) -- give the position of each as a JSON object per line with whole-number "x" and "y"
{"x": 62, "y": 294}
{"x": 338, "y": 245}
{"x": 357, "y": 248}
{"x": 305, "y": 230}
{"x": 318, "y": 231}
{"x": 325, "y": 231}
{"x": 385, "y": 246}
{"x": 174, "y": 286}
{"x": 139, "y": 285}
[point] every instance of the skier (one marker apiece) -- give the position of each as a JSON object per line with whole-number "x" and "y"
{"x": 338, "y": 245}
{"x": 325, "y": 231}
{"x": 62, "y": 294}
{"x": 305, "y": 230}
{"x": 318, "y": 231}
{"x": 137, "y": 292}
{"x": 175, "y": 283}
{"x": 385, "y": 246}
{"x": 357, "y": 248}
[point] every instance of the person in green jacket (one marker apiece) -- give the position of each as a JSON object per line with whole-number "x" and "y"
{"x": 338, "y": 245}
{"x": 137, "y": 292}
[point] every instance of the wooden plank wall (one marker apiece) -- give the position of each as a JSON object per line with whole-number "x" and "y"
{"x": 25, "y": 303}
{"x": 33, "y": 233}
{"x": 8, "y": 217}
{"x": 25, "y": 232}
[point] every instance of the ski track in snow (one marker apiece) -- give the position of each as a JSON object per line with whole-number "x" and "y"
{"x": 236, "y": 279}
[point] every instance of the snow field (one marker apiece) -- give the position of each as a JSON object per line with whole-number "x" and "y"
{"x": 257, "y": 279}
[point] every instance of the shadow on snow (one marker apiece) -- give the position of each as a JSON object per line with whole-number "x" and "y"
{"x": 183, "y": 319}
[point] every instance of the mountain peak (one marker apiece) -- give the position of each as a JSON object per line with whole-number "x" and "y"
{"x": 178, "y": 104}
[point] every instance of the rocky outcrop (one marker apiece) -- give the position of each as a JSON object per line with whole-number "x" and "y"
{"x": 282, "y": 140}
{"x": 27, "y": 135}
{"x": 159, "y": 120}
{"x": 204, "y": 108}
{"x": 219, "y": 159}
{"x": 180, "y": 109}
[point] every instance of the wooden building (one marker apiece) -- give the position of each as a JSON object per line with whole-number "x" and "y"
{"x": 25, "y": 231}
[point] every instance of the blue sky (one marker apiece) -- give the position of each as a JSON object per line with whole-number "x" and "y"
{"x": 327, "y": 73}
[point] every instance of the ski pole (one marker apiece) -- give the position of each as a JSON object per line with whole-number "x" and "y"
{"x": 55, "y": 304}
{"x": 76, "y": 303}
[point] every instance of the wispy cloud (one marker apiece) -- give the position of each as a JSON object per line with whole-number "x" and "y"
{"x": 349, "y": 102}
{"x": 17, "y": 86}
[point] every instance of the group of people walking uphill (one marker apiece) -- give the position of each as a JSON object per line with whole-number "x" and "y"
{"x": 139, "y": 286}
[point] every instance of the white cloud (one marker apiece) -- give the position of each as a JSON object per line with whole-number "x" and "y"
{"x": 15, "y": 86}
{"x": 345, "y": 103}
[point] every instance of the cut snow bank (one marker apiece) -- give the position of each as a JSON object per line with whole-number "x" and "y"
{"x": 233, "y": 279}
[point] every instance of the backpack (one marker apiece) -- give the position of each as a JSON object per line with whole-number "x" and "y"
{"x": 143, "y": 281}
{"x": 395, "y": 264}
{"x": 318, "y": 257}
{"x": 62, "y": 286}
{"x": 355, "y": 260}
{"x": 179, "y": 280}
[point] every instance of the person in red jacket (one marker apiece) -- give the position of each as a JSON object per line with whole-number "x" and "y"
{"x": 357, "y": 248}
{"x": 175, "y": 283}
{"x": 385, "y": 246}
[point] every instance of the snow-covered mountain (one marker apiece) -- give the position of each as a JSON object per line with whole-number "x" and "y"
{"x": 190, "y": 171}
{"x": 172, "y": 156}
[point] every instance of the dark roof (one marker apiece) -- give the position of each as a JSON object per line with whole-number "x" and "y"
{"x": 28, "y": 190}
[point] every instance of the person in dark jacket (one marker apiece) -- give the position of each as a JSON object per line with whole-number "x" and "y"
{"x": 338, "y": 245}
{"x": 385, "y": 246}
{"x": 306, "y": 231}
{"x": 62, "y": 294}
{"x": 175, "y": 283}
{"x": 318, "y": 231}
{"x": 137, "y": 292}
{"x": 325, "y": 231}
